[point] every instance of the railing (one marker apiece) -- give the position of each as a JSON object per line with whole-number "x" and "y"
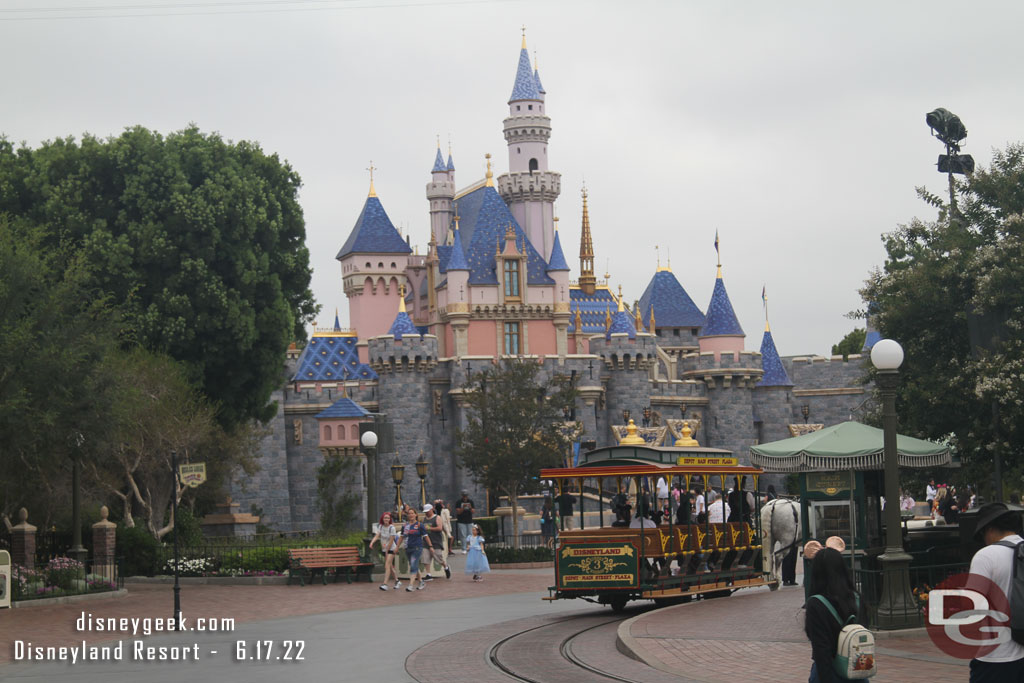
{"x": 869, "y": 584}
{"x": 62, "y": 576}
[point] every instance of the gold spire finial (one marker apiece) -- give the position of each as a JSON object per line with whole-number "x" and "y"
{"x": 524, "y": 36}
{"x": 456, "y": 217}
{"x": 686, "y": 439}
{"x": 632, "y": 438}
{"x": 449, "y": 144}
{"x": 535, "y": 61}
{"x": 556, "y": 223}
{"x": 607, "y": 316}
{"x": 401, "y": 298}
{"x": 650, "y": 324}
{"x": 578, "y": 322}
{"x": 371, "y": 169}
{"x": 668, "y": 267}
{"x": 657, "y": 255}
{"x": 439, "y": 141}
{"x": 637, "y": 321}
{"x": 588, "y": 283}
{"x": 621, "y": 308}
{"x": 490, "y": 175}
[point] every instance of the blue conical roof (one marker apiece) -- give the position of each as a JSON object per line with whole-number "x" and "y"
{"x": 344, "y": 407}
{"x": 775, "y": 374}
{"x": 457, "y": 258}
{"x": 673, "y": 307}
{"x": 525, "y": 87}
{"x": 622, "y": 322}
{"x": 540, "y": 86}
{"x": 451, "y": 164}
{"x": 402, "y": 326}
{"x": 337, "y": 323}
{"x": 720, "y": 319}
{"x": 374, "y": 233}
{"x": 439, "y": 163}
{"x": 557, "y": 260}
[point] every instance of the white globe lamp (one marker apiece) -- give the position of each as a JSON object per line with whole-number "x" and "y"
{"x": 887, "y": 354}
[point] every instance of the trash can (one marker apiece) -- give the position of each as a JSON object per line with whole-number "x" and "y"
{"x": 5, "y": 578}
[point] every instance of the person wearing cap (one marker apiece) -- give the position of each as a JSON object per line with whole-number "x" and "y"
{"x": 433, "y": 553}
{"x": 464, "y": 518}
{"x": 999, "y": 528}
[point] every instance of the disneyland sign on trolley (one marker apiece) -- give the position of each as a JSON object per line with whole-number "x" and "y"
{"x": 968, "y": 616}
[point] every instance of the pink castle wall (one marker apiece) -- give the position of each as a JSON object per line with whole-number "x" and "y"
{"x": 542, "y": 338}
{"x": 372, "y": 313}
{"x": 483, "y": 339}
{"x": 719, "y": 344}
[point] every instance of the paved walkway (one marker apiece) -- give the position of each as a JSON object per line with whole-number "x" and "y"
{"x": 759, "y": 636}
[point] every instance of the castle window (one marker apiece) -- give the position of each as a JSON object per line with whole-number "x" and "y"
{"x": 512, "y": 279}
{"x": 530, "y": 107}
{"x": 393, "y": 264}
{"x": 368, "y": 264}
{"x": 380, "y": 265}
{"x": 533, "y": 165}
{"x": 511, "y": 339}
{"x": 675, "y": 332}
{"x": 518, "y": 108}
{"x": 327, "y": 432}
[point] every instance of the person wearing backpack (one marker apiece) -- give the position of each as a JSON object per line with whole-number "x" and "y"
{"x": 999, "y": 528}
{"x": 838, "y": 642}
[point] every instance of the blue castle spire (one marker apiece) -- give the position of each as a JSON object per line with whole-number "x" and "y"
{"x": 439, "y": 164}
{"x": 775, "y": 374}
{"x": 525, "y": 87}
{"x": 557, "y": 260}
{"x": 721, "y": 318}
{"x": 451, "y": 164}
{"x": 457, "y": 259}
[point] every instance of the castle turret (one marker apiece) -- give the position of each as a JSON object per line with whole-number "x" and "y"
{"x": 529, "y": 188}
{"x": 441, "y": 195}
{"x": 773, "y": 395}
{"x": 373, "y": 259}
{"x": 457, "y": 308}
{"x": 558, "y": 270}
{"x": 628, "y": 356}
{"x": 721, "y": 331}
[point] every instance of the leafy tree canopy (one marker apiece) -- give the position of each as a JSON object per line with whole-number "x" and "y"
{"x": 516, "y": 426}
{"x": 852, "y": 343}
{"x": 199, "y": 242}
{"x": 944, "y": 279}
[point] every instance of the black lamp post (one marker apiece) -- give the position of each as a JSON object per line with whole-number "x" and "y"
{"x": 174, "y": 514}
{"x": 897, "y": 608}
{"x": 625, "y": 416}
{"x": 77, "y": 551}
{"x": 421, "y": 470}
{"x": 647, "y": 416}
{"x": 805, "y": 410}
{"x": 369, "y": 443}
{"x": 397, "y": 474}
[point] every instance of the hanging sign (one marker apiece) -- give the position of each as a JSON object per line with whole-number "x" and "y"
{"x": 192, "y": 474}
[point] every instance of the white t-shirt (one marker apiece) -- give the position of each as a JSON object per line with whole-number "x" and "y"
{"x": 715, "y": 511}
{"x": 698, "y": 505}
{"x": 662, "y": 488}
{"x": 995, "y": 562}
{"x": 930, "y": 492}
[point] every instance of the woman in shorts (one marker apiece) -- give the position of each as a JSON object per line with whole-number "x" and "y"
{"x": 388, "y": 538}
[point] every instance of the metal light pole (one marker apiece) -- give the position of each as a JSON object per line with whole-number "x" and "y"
{"x": 77, "y": 551}
{"x": 421, "y": 470}
{"x": 897, "y": 608}
{"x": 369, "y": 443}
{"x": 397, "y": 474}
{"x": 174, "y": 514}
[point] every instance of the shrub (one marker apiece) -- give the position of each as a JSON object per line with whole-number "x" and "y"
{"x": 64, "y": 572}
{"x": 488, "y": 527}
{"x": 190, "y": 531}
{"x": 141, "y": 552}
{"x": 254, "y": 561}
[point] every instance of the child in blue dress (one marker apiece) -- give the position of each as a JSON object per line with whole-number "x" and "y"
{"x": 476, "y": 560}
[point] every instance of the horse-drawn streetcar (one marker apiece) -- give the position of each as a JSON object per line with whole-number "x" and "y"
{"x": 622, "y": 549}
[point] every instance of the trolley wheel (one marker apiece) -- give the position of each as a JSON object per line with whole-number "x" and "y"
{"x": 668, "y": 602}
{"x": 717, "y": 594}
{"x": 618, "y": 603}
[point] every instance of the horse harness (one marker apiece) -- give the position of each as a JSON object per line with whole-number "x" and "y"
{"x": 796, "y": 524}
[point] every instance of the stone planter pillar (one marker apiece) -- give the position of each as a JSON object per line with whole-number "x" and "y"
{"x": 104, "y": 545}
{"x": 23, "y": 541}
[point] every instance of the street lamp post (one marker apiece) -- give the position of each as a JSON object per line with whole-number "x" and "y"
{"x": 805, "y": 410}
{"x": 369, "y": 443}
{"x": 897, "y": 608}
{"x": 174, "y": 515}
{"x": 77, "y": 551}
{"x": 421, "y": 470}
{"x": 397, "y": 474}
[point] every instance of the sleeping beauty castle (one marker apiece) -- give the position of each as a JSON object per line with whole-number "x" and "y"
{"x": 495, "y": 283}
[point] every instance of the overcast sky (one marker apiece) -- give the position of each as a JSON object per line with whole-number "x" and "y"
{"x": 794, "y": 128}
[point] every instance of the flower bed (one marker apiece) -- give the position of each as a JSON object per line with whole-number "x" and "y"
{"x": 61, "y": 576}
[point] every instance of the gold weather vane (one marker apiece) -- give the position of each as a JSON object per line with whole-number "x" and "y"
{"x": 371, "y": 169}
{"x": 490, "y": 175}
{"x": 401, "y": 298}
{"x": 524, "y": 36}
{"x": 657, "y": 255}
{"x": 620, "y": 298}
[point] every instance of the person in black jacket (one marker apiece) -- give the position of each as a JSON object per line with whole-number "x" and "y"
{"x": 831, "y": 579}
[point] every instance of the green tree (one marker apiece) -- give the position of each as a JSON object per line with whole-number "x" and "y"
{"x": 515, "y": 427}
{"x": 55, "y": 332}
{"x": 852, "y": 343}
{"x": 936, "y": 275}
{"x": 199, "y": 241}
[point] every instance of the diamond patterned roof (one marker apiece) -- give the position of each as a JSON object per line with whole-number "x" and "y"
{"x": 451, "y": 164}
{"x": 439, "y": 163}
{"x": 592, "y": 309}
{"x": 557, "y": 261}
{"x": 374, "y": 233}
{"x": 540, "y": 86}
{"x": 344, "y": 407}
{"x": 775, "y": 374}
{"x": 673, "y": 307}
{"x": 525, "y": 87}
{"x": 330, "y": 358}
{"x": 457, "y": 260}
{"x": 622, "y": 322}
{"x": 721, "y": 319}
{"x": 483, "y": 220}
{"x": 403, "y": 326}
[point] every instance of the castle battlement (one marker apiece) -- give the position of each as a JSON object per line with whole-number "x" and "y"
{"x": 411, "y": 353}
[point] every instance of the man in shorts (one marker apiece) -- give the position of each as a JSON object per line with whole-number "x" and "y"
{"x": 435, "y": 551}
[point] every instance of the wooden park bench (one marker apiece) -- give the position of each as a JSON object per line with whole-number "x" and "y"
{"x": 304, "y": 561}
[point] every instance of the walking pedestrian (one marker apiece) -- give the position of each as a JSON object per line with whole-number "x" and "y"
{"x": 464, "y": 518}
{"x": 830, "y": 585}
{"x": 476, "y": 562}
{"x": 433, "y": 553}
{"x": 999, "y": 528}
{"x": 415, "y": 535}
{"x": 388, "y": 539}
{"x": 446, "y": 525}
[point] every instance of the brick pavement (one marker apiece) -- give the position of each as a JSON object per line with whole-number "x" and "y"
{"x": 55, "y": 624}
{"x": 758, "y": 636}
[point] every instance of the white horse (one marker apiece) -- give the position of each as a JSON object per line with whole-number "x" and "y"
{"x": 780, "y": 525}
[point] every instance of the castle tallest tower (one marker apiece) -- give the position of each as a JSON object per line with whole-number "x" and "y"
{"x": 529, "y": 188}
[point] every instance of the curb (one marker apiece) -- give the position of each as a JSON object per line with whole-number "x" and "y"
{"x": 524, "y": 565}
{"x": 211, "y": 580}
{"x": 70, "y": 599}
{"x": 628, "y": 645}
